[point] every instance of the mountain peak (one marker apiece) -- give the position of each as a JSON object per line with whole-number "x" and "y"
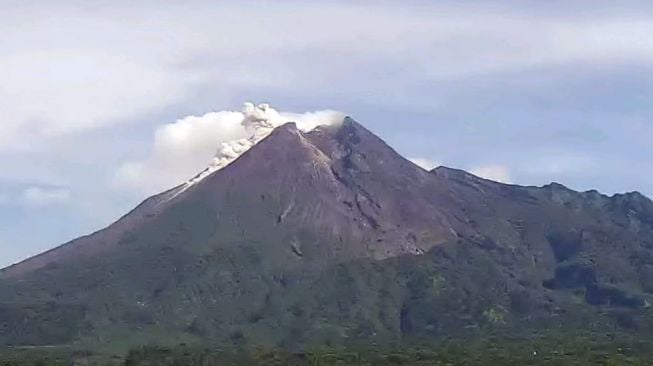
{"x": 331, "y": 223}
{"x": 256, "y": 123}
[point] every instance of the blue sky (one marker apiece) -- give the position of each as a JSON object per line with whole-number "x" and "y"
{"x": 526, "y": 92}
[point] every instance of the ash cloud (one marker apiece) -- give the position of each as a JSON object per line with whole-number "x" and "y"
{"x": 185, "y": 147}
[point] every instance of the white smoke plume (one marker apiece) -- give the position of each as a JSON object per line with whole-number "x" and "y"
{"x": 187, "y": 146}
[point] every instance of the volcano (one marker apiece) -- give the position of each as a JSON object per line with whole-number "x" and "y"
{"x": 329, "y": 236}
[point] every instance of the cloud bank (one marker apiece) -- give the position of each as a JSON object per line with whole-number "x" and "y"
{"x": 184, "y": 148}
{"x": 106, "y": 65}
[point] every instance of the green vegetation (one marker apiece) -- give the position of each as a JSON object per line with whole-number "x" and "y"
{"x": 552, "y": 349}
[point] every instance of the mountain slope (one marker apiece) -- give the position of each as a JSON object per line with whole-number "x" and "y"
{"x": 330, "y": 235}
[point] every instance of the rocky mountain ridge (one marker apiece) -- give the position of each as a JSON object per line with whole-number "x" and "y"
{"x": 330, "y": 236}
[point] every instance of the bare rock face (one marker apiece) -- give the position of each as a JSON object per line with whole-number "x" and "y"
{"x": 330, "y": 235}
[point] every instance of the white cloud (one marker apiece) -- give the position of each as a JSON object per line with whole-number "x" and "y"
{"x": 425, "y": 163}
{"x": 65, "y": 74}
{"x": 66, "y": 69}
{"x": 180, "y": 150}
{"x": 495, "y": 172}
{"x": 43, "y": 196}
{"x": 188, "y": 146}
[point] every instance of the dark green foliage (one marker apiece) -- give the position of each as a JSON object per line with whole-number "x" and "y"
{"x": 542, "y": 349}
{"x": 37, "y": 324}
